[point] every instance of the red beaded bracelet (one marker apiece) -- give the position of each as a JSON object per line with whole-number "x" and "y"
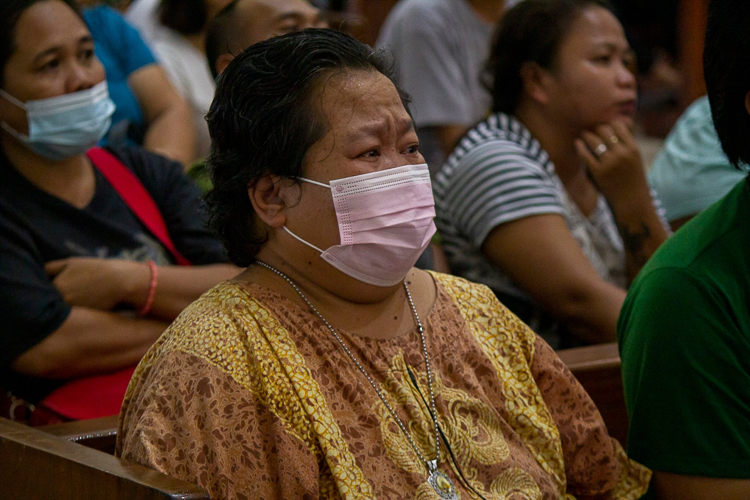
{"x": 151, "y": 290}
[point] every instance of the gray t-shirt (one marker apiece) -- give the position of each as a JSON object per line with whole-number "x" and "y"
{"x": 440, "y": 47}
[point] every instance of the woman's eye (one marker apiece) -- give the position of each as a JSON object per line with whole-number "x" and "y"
{"x": 412, "y": 150}
{"x": 372, "y": 153}
{"x": 605, "y": 59}
{"x": 630, "y": 63}
{"x": 50, "y": 65}
{"x": 87, "y": 54}
{"x": 288, "y": 28}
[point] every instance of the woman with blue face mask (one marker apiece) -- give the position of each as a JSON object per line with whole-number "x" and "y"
{"x": 331, "y": 368}
{"x": 88, "y": 237}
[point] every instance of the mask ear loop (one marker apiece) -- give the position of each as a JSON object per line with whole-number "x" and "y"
{"x": 294, "y": 235}
{"x": 18, "y": 135}
{"x": 12, "y": 100}
{"x": 303, "y": 241}
{"x": 314, "y": 182}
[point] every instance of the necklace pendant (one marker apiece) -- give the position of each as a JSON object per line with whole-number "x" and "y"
{"x": 442, "y": 484}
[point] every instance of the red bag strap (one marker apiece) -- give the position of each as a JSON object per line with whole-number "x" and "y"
{"x": 135, "y": 197}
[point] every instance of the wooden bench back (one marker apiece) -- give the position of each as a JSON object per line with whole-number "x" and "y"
{"x": 39, "y": 465}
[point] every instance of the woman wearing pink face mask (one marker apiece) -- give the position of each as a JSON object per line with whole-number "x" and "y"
{"x": 331, "y": 368}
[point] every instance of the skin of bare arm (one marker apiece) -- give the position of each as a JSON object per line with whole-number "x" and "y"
{"x": 170, "y": 132}
{"x": 540, "y": 255}
{"x": 103, "y": 284}
{"x": 90, "y": 342}
{"x": 678, "y": 487}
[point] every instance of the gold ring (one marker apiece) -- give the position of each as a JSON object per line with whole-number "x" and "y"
{"x": 614, "y": 139}
{"x": 600, "y": 149}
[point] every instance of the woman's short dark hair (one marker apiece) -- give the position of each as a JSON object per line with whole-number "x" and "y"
{"x": 10, "y": 12}
{"x": 532, "y": 31}
{"x": 264, "y": 118}
{"x": 187, "y": 17}
{"x": 726, "y": 65}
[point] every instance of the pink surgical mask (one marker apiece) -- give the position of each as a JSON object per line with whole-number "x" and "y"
{"x": 385, "y": 223}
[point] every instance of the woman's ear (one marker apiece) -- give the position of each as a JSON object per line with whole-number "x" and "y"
{"x": 535, "y": 80}
{"x": 747, "y": 102}
{"x": 267, "y": 197}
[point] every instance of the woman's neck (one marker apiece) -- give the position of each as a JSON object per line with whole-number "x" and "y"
{"x": 348, "y": 304}
{"x": 557, "y": 139}
{"x": 71, "y": 180}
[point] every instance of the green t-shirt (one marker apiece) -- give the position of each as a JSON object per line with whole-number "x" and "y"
{"x": 684, "y": 334}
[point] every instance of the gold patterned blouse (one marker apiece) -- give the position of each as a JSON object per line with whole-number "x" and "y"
{"x": 251, "y": 397}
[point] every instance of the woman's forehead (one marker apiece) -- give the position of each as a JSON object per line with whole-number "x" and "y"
{"x": 351, "y": 98}
{"x": 47, "y": 25}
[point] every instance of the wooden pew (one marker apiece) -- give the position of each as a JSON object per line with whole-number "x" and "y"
{"x": 38, "y": 465}
{"x": 597, "y": 368}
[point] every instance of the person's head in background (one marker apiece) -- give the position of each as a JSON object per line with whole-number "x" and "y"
{"x": 726, "y": 65}
{"x": 245, "y": 22}
{"x": 568, "y": 59}
{"x": 189, "y": 17}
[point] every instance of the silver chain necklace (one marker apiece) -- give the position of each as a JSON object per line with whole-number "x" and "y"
{"x": 439, "y": 481}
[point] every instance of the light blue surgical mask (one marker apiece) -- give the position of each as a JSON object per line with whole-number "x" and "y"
{"x": 65, "y": 125}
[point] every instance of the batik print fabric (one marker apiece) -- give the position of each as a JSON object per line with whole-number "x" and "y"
{"x": 251, "y": 397}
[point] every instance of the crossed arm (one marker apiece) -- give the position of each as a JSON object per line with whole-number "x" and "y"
{"x": 94, "y": 338}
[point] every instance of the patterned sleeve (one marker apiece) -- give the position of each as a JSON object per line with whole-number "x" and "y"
{"x": 193, "y": 421}
{"x": 498, "y": 182}
{"x": 595, "y": 463}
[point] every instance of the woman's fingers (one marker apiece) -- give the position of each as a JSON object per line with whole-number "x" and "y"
{"x": 623, "y": 133}
{"x": 54, "y": 267}
{"x": 594, "y": 142}
{"x": 609, "y": 136}
{"x": 585, "y": 153}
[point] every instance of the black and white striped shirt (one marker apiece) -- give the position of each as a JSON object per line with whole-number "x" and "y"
{"x": 500, "y": 173}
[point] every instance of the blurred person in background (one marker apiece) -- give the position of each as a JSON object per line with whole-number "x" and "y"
{"x": 440, "y": 48}
{"x": 547, "y": 201}
{"x": 88, "y": 275}
{"x": 245, "y": 22}
{"x": 176, "y": 31}
{"x": 148, "y": 109}
{"x": 691, "y": 171}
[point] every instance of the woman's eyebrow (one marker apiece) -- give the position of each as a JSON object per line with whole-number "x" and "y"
{"x": 376, "y": 127}
{"x": 84, "y": 40}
